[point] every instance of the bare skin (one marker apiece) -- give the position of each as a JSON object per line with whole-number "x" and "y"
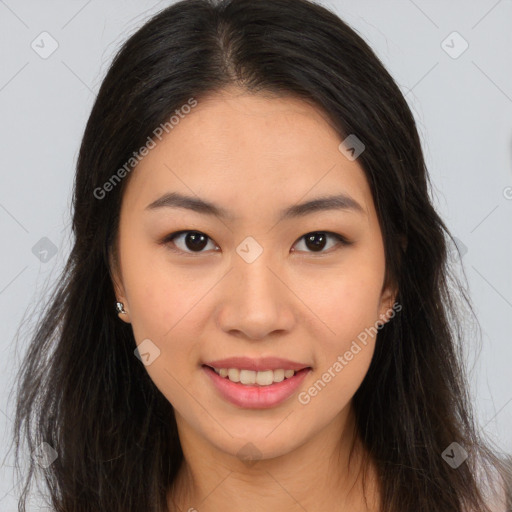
{"x": 254, "y": 156}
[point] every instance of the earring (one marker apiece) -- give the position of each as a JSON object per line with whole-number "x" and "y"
{"x": 120, "y": 308}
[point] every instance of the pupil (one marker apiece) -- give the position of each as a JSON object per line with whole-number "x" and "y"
{"x": 315, "y": 241}
{"x": 195, "y": 241}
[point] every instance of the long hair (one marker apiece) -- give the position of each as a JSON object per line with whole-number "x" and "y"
{"x": 82, "y": 392}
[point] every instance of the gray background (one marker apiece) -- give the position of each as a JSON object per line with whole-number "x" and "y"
{"x": 462, "y": 102}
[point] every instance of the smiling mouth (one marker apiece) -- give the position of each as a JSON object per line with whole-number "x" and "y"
{"x": 256, "y": 378}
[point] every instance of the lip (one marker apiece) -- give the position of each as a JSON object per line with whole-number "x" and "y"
{"x": 257, "y": 364}
{"x": 256, "y": 397}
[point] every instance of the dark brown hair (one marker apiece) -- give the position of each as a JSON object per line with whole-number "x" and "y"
{"x": 82, "y": 391}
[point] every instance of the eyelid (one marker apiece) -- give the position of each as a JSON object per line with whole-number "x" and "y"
{"x": 342, "y": 241}
{"x": 168, "y": 239}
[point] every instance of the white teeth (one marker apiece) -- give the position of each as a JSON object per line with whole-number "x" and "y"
{"x": 278, "y": 375}
{"x": 250, "y": 377}
{"x": 234, "y": 375}
{"x": 264, "y": 378}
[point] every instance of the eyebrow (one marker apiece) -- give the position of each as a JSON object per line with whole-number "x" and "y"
{"x": 198, "y": 205}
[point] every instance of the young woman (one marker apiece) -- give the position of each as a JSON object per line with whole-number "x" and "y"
{"x": 257, "y": 312}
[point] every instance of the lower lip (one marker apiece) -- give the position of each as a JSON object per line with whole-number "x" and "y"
{"x": 256, "y": 397}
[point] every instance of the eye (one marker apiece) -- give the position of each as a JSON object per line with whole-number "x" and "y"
{"x": 192, "y": 241}
{"x": 195, "y": 241}
{"x": 316, "y": 240}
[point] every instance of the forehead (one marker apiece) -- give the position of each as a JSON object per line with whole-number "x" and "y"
{"x": 247, "y": 152}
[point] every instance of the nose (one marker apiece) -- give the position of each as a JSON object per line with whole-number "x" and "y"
{"x": 256, "y": 301}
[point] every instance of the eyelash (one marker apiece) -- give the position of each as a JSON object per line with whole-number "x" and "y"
{"x": 170, "y": 239}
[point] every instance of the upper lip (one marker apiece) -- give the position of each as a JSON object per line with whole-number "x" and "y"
{"x": 259, "y": 364}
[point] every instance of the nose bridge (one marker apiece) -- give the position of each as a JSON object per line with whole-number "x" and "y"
{"x": 256, "y": 302}
{"x": 252, "y": 270}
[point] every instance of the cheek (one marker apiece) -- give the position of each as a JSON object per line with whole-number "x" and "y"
{"x": 161, "y": 297}
{"x": 345, "y": 301}
{"x": 345, "y": 342}
{"x": 165, "y": 308}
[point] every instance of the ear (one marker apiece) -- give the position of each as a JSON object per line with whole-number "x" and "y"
{"x": 117, "y": 284}
{"x": 387, "y": 301}
{"x": 388, "y": 306}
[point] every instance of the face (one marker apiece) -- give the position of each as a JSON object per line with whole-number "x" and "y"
{"x": 247, "y": 280}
